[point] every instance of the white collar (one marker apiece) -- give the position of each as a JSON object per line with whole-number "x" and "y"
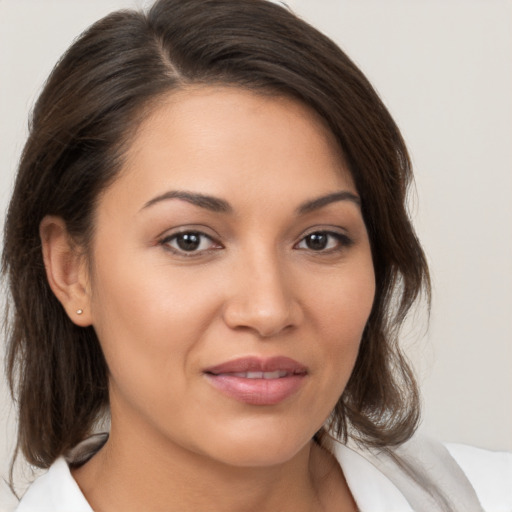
{"x": 55, "y": 491}
{"x": 371, "y": 489}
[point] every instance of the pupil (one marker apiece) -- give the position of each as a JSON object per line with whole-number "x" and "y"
{"x": 317, "y": 241}
{"x": 188, "y": 241}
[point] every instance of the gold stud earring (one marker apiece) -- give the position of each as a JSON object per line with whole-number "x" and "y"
{"x": 79, "y": 311}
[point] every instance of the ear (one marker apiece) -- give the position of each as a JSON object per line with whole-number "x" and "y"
{"x": 66, "y": 270}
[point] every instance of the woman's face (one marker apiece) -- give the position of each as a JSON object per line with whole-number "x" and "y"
{"x": 231, "y": 277}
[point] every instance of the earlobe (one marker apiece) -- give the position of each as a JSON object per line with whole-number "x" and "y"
{"x": 66, "y": 269}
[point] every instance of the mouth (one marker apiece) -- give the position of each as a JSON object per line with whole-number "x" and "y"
{"x": 257, "y": 381}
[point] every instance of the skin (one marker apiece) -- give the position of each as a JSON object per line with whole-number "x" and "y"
{"x": 254, "y": 287}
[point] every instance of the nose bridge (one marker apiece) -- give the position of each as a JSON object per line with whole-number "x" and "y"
{"x": 261, "y": 297}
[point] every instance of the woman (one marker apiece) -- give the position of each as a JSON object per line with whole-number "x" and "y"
{"x": 208, "y": 243}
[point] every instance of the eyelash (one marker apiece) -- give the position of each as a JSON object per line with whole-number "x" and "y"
{"x": 342, "y": 242}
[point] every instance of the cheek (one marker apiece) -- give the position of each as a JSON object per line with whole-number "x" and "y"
{"x": 346, "y": 299}
{"x": 342, "y": 313}
{"x": 150, "y": 332}
{"x": 149, "y": 317}
{"x": 155, "y": 315}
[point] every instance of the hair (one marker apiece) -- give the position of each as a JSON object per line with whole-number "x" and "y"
{"x": 100, "y": 91}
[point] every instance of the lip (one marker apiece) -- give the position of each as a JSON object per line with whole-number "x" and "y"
{"x": 289, "y": 375}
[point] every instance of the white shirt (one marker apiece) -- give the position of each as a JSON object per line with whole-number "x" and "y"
{"x": 489, "y": 473}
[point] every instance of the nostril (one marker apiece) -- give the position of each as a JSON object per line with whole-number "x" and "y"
{"x": 261, "y": 297}
{"x": 265, "y": 324}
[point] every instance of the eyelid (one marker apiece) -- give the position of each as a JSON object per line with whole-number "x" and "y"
{"x": 337, "y": 231}
{"x": 186, "y": 228}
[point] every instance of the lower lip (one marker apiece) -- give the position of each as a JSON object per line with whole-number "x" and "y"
{"x": 257, "y": 391}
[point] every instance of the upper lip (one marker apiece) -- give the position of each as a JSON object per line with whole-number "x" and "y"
{"x": 258, "y": 364}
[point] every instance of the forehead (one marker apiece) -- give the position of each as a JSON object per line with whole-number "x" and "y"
{"x": 231, "y": 141}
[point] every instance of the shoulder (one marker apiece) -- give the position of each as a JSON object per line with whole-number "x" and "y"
{"x": 425, "y": 475}
{"x": 458, "y": 471}
{"x": 55, "y": 491}
{"x": 489, "y": 472}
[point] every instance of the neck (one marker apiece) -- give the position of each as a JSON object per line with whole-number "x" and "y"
{"x": 135, "y": 471}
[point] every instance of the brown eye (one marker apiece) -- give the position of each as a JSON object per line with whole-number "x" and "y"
{"x": 317, "y": 241}
{"x": 188, "y": 241}
{"x": 324, "y": 241}
{"x": 191, "y": 242}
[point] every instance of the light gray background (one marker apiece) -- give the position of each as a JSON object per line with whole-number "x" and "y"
{"x": 444, "y": 69}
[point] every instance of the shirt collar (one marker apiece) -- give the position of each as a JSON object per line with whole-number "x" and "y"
{"x": 371, "y": 489}
{"x": 55, "y": 491}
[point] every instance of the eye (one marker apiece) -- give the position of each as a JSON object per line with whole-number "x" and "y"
{"x": 324, "y": 241}
{"x": 189, "y": 242}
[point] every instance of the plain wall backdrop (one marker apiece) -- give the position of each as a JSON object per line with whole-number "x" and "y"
{"x": 444, "y": 69}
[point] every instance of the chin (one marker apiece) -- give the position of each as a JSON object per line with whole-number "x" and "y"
{"x": 261, "y": 448}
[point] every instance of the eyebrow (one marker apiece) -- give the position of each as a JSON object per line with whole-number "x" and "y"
{"x": 320, "y": 202}
{"x": 211, "y": 203}
{"x": 218, "y": 205}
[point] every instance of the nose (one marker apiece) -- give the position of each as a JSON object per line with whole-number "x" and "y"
{"x": 261, "y": 298}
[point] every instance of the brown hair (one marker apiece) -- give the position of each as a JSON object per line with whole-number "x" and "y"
{"x": 95, "y": 98}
